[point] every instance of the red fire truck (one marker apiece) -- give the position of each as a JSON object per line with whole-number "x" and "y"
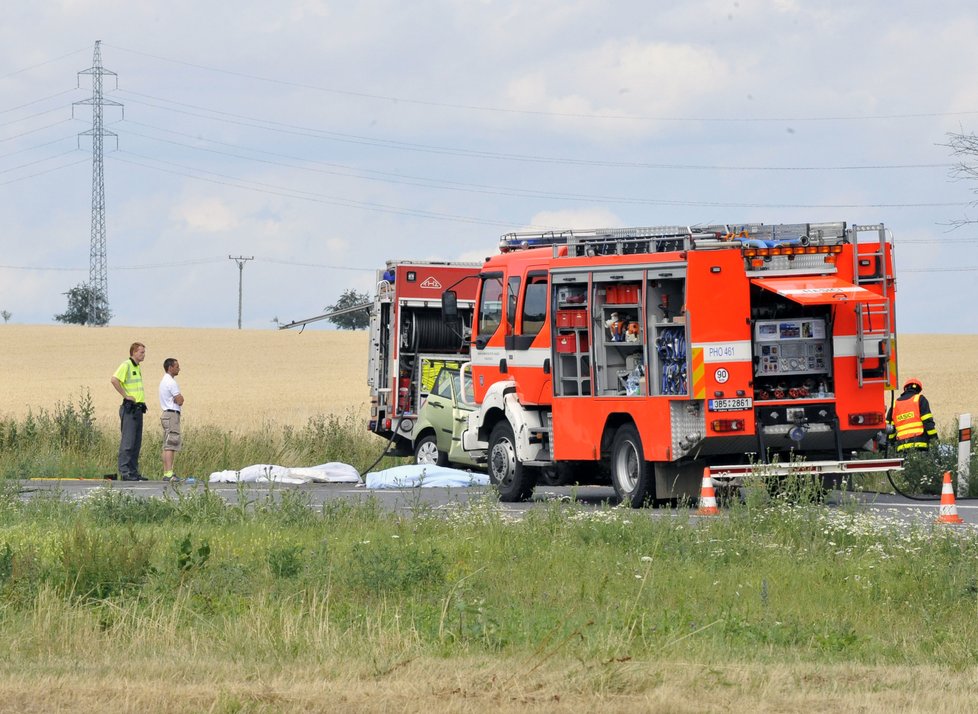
{"x": 644, "y": 355}
{"x": 410, "y": 343}
{"x": 409, "y": 346}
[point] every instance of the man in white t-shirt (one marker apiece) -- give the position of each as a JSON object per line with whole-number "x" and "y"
{"x": 171, "y": 403}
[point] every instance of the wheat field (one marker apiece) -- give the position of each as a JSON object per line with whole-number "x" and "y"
{"x": 239, "y": 378}
{"x": 230, "y": 378}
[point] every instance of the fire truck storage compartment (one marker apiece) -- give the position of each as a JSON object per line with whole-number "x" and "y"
{"x": 620, "y": 333}
{"x": 572, "y": 343}
{"x": 792, "y": 348}
{"x": 423, "y": 335}
{"x": 572, "y": 357}
{"x": 666, "y": 299}
{"x": 572, "y": 318}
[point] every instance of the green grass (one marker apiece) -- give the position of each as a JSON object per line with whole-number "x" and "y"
{"x": 278, "y": 581}
{"x": 594, "y": 606}
{"x": 271, "y": 579}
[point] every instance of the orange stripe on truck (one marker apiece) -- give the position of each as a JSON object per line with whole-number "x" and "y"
{"x": 893, "y": 366}
{"x": 699, "y": 374}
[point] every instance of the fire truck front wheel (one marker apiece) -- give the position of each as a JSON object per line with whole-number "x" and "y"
{"x": 631, "y": 474}
{"x": 514, "y": 481}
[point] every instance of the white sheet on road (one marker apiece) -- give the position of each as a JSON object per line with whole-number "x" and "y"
{"x": 333, "y": 472}
{"x": 425, "y": 476}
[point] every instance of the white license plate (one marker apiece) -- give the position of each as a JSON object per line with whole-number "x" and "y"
{"x": 730, "y": 405}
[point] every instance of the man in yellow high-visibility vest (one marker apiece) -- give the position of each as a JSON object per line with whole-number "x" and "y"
{"x": 128, "y": 381}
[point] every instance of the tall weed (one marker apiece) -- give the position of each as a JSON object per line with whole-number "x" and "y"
{"x": 387, "y": 569}
{"x": 68, "y": 443}
{"x": 923, "y": 471}
{"x": 54, "y": 443}
{"x": 98, "y": 564}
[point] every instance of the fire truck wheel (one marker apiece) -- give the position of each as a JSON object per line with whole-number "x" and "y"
{"x": 514, "y": 481}
{"x": 426, "y": 452}
{"x": 550, "y": 476}
{"x": 630, "y": 472}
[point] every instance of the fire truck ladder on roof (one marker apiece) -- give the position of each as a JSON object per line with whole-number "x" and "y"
{"x": 874, "y": 321}
{"x": 609, "y": 241}
{"x": 660, "y": 239}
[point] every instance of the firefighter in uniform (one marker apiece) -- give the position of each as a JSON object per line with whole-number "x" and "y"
{"x": 910, "y": 424}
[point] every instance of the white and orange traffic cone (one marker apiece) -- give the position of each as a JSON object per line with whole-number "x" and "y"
{"x": 708, "y": 497}
{"x": 949, "y": 511}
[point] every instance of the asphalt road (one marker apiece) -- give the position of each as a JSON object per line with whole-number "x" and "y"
{"x": 409, "y": 500}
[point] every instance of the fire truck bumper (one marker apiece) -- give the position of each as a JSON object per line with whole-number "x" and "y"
{"x": 740, "y": 473}
{"x": 470, "y": 441}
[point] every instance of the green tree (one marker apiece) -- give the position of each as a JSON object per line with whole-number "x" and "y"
{"x": 352, "y": 310}
{"x": 6, "y": 315}
{"x": 80, "y": 298}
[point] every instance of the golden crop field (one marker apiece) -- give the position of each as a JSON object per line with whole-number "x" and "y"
{"x": 232, "y": 378}
{"x": 238, "y": 378}
{"x": 943, "y": 363}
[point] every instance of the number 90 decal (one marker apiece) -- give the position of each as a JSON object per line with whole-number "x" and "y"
{"x": 721, "y": 375}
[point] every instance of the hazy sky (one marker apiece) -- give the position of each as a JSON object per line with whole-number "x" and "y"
{"x": 324, "y": 137}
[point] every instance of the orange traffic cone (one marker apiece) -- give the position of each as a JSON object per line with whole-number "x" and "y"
{"x": 949, "y": 511}
{"x": 708, "y": 497}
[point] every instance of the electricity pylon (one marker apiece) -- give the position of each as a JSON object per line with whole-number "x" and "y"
{"x": 98, "y": 279}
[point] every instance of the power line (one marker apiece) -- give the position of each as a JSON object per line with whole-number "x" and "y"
{"x": 536, "y": 112}
{"x": 383, "y": 208}
{"x": 32, "y": 116}
{"x": 311, "y": 132}
{"x": 33, "y": 131}
{"x": 41, "y": 64}
{"x": 386, "y": 177}
{"x": 174, "y": 264}
{"x": 42, "y": 268}
{"x": 317, "y": 265}
{"x": 938, "y": 241}
{"x": 36, "y": 146}
{"x": 301, "y": 264}
{"x": 38, "y": 101}
{"x": 306, "y": 195}
{"x": 145, "y": 266}
{"x": 383, "y": 176}
{"x": 971, "y": 269}
{"x": 41, "y": 173}
{"x": 38, "y": 161}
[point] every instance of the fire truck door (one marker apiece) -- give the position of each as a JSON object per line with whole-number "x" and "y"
{"x": 718, "y": 307}
{"x": 488, "y": 356}
{"x": 528, "y": 347}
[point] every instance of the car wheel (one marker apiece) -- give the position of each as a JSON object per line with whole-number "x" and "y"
{"x": 426, "y": 452}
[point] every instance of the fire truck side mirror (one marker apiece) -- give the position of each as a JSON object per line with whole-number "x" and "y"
{"x": 449, "y": 306}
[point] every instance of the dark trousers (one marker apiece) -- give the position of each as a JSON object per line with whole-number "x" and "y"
{"x": 131, "y": 425}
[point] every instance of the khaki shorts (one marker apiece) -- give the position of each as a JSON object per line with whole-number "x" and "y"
{"x": 171, "y": 431}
